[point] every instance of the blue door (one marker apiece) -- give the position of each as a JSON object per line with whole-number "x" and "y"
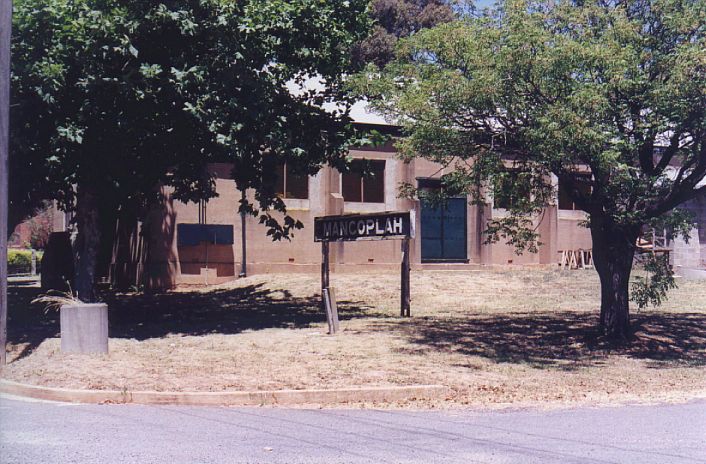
{"x": 443, "y": 230}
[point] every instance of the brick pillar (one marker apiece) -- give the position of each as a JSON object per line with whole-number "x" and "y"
{"x": 485, "y": 214}
{"x": 548, "y": 235}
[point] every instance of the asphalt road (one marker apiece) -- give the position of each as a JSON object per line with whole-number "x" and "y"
{"x": 36, "y": 432}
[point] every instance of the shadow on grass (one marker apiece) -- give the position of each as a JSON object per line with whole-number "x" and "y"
{"x": 227, "y": 311}
{"x": 144, "y": 316}
{"x": 563, "y": 340}
{"x": 28, "y": 324}
{"x": 560, "y": 340}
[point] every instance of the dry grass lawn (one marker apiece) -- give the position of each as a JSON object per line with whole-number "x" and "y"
{"x": 496, "y": 337}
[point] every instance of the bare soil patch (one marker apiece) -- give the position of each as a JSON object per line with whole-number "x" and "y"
{"x": 496, "y": 337}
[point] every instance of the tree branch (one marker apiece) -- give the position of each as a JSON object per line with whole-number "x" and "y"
{"x": 669, "y": 152}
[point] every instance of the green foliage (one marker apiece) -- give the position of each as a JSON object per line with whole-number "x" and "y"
{"x": 395, "y": 19}
{"x": 20, "y": 261}
{"x": 615, "y": 89}
{"x": 678, "y": 222}
{"x": 609, "y": 93}
{"x": 653, "y": 286}
{"x": 122, "y": 97}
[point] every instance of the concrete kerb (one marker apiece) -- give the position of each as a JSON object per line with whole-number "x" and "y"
{"x": 233, "y": 398}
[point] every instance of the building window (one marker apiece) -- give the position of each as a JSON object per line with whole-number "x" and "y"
{"x": 510, "y": 189}
{"x": 365, "y": 182}
{"x": 428, "y": 184}
{"x": 583, "y": 185}
{"x": 291, "y": 184}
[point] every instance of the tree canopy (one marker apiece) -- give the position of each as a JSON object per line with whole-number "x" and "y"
{"x": 608, "y": 93}
{"x": 114, "y": 98}
{"x": 395, "y": 19}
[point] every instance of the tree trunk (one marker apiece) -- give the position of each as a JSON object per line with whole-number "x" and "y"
{"x": 613, "y": 253}
{"x": 87, "y": 243}
{"x": 126, "y": 256}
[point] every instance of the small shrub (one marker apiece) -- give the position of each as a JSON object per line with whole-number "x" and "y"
{"x": 20, "y": 261}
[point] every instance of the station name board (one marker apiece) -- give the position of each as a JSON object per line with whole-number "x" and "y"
{"x": 376, "y": 226}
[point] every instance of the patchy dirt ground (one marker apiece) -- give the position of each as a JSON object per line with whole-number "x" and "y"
{"x": 496, "y": 337}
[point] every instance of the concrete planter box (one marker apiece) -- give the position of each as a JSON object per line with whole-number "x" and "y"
{"x": 84, "y": 328}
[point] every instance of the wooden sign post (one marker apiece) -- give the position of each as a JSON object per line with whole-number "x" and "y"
{"x": 324, "y": 274}
{"x": 358, "y": 227}
{"x": 331, "y": 310}
{"x": 405, "y": 299}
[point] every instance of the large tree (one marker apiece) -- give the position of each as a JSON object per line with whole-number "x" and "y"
{"x": 395, "y": 19}
{"x": 112, "y": 99}
{"x": 607, "y": 96}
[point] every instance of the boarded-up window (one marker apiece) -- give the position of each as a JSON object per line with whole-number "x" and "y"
{"x": 583, "y": 186}
{"x": 365, "y": 182}
{"x": 291, "y": 184}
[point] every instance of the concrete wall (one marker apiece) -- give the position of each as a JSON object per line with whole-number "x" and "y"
{"x": 693, "y": 254}
{"x": 687, "y": 254}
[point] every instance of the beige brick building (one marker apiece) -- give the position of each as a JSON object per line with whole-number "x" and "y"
{"x": 202, "y": 243}
{"x": 448, "y": 237}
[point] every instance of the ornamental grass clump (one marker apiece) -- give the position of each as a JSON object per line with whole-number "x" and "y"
{"x": 54, "y": 300}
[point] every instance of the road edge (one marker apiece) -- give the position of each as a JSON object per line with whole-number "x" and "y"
{"x": 227, "y": 398}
